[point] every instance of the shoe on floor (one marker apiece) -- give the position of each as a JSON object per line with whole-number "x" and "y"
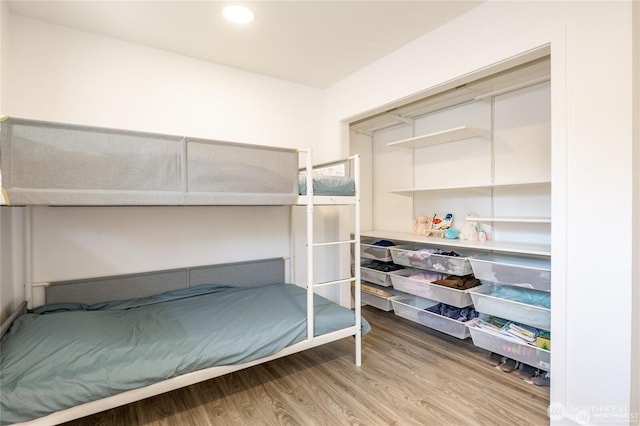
{"x": 527, "y": 372}
{"x": 542, "y": 379}
{"x": 495, "y": 359}
{"x": 509, "y": 365}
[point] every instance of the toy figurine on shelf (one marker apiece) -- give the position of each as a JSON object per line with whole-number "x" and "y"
{"x": 439, "y": 224}
{"x": 421, "y": 225}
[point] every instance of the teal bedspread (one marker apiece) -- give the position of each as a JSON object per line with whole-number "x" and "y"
{"x": 60, "y": 356}
{"x": 329, "y": 185}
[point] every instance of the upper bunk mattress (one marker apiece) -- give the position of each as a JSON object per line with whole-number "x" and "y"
{"x": 329, "y": 185}
{"x": 62, "y": 355}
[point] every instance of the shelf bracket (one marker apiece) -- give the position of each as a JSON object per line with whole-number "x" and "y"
{"x": 362, "y": 132}
{"x": 401, "y": 118}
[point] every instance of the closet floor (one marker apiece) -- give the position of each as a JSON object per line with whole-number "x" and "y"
{"x": 410, "y": 375}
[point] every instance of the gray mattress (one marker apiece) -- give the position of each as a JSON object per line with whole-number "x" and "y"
{"x": 62, "y": 355}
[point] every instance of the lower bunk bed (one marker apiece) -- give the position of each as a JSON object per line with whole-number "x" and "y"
{"x": 68, "y": 359}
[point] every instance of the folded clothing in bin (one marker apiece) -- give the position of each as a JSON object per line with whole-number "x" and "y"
{"x": 523, "y": 295}
{"x": 427, "y": 276}
{"x": 381, "y": 266}
{"x": 459, "y": 282}
{"x": 458, "y": 314}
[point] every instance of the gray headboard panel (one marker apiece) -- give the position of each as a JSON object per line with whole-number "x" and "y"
{"x": 94, "y": 290}
{"x": 242, "y": 274}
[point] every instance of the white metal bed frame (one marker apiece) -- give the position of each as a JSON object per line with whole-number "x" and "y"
{"x": 308, "y": 200}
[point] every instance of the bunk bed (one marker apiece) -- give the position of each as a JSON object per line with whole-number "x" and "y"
{"x": 101, "y": 342}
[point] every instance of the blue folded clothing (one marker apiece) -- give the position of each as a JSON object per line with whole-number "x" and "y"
{"x": 523, "y": 295}
{"x": 458, "y": 314}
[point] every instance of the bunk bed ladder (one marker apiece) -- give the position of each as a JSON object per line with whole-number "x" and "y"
{"x": 355, "y": 241}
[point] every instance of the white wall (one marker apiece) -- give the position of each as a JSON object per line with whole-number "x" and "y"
{"x": 4, "y": 41}
{"x": 591, "y": 46}
{"x": 60, "y": 74}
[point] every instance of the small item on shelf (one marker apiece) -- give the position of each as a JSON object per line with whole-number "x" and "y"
{"x": 469, "y": 229}
{"x": 421, "y": 225}
{"x": 451, "y": 234}
{"x": 487, "y": 229}
{"x": 441, "y": 221}
{"x": 475, "y": 231}
{"x": 439, "y": 224}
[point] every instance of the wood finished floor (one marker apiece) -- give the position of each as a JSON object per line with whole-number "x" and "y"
{"x": 410, "y": 375}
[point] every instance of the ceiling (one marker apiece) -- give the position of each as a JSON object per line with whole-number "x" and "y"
{"x": 315, "y": 43}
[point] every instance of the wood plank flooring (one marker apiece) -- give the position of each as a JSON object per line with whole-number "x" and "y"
{"x": 410, "y": 375}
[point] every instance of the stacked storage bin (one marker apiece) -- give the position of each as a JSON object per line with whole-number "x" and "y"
{"x": 376, "y": 264}
{"x": 420, "y": 294}
{"x": 515, "y": 289}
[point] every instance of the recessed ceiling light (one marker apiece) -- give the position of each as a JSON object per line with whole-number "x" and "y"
{"x": 239, "y": 14}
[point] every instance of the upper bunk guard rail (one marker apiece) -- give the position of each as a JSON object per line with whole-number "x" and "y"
{"x": 310, "y": 200}
{"x": 45, "y": 163}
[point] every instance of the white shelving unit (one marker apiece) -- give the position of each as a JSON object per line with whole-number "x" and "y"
{"x": 485, "y": 246}
{"x": 492, "y": 159}
{"x": 444, "y": 136}
{"x": 479, "y": 187}
{"x": 508, "y": 219}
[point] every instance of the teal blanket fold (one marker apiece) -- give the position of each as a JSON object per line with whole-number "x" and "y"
{"x": 59, "y": 356}
{"x": 329, "y": 185}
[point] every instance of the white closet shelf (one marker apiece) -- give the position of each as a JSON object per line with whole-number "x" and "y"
{"x": 508, "y": 219}
{"x": 409, "y": 191}
{"x": 490, "y": 245}
{"x": 444, "y": 136}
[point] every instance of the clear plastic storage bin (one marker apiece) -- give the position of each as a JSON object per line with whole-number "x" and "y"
{"x": 487, "y": 301}
{"x": 413, "y": 308}
{"x": 370, "y": 251}
{"x": 527, "y": 354}
{"x": 375, "y": 277}
{"x": 534, "y": 273}
{"x": 422, "y": 257}
{"x": 401, "y": 281}
{"x": 377, "y": 301}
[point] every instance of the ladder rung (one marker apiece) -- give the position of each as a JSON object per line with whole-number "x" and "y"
{"x": 344, "y": 280}
{"x": 329, "y": 243}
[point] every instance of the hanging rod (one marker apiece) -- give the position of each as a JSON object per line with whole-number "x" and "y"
{"x": 514, "y": 87}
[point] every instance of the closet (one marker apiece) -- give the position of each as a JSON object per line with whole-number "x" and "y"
{"x": 481, "y": 153}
